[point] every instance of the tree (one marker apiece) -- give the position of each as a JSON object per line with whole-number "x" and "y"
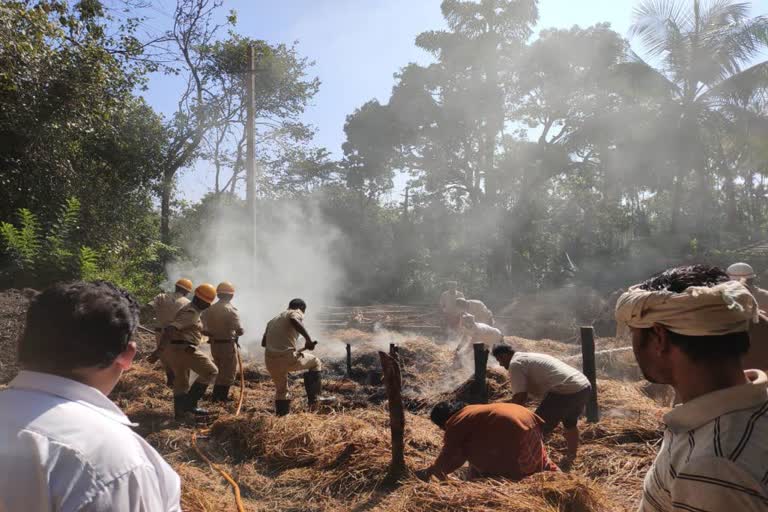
{"x": 703, "y": 48}
{"x": 69, "y": 124}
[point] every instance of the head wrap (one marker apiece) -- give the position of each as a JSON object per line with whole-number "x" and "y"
{"x": 698, "y": 311}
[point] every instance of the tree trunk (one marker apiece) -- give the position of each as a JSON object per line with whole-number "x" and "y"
{"x": 165, "y": 207}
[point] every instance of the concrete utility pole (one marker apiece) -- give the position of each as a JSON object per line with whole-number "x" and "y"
{"x": 250, "y": 149}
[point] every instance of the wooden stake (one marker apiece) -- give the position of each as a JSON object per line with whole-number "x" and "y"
{"x": 479, "y": 388}
{"x": 349, "y": 360}
{"x": 393, "y": 384}
{"x": 394, "y": 351}
{"x": 588, "y": 366}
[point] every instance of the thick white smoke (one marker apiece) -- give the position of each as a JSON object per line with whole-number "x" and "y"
{"x": 292, "y": 258}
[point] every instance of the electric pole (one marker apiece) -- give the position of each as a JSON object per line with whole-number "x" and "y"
{"x": 250, "y": 157}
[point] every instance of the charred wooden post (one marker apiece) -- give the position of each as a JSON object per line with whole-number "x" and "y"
{"x": 394, "y": 351}
{"x": 479, "y": 387}
{"x": 349, "y": 360}
{"x": 588, "y": 366}
{"x": 393, "y": 383}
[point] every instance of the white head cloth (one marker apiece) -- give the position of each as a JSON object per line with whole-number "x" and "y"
{"x": 697, "y": 311}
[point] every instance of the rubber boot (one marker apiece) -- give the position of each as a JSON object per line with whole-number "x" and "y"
{"x": 196, "y": 392}
{"x": 282, "y": 407}
{"x": 312, "y": 385}
{"x": 169, "y": 377}
{"x": 179, "y": 406}
{"x": 220, "y": 394}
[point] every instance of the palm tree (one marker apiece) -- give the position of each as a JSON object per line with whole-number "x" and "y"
{"x": 705, "y": 52}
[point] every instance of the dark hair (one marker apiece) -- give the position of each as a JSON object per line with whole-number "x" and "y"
{"x": 708, "y": 349}
{"x": 443, "y": 411}
{"x": 679, "y": 278}
{"x": 181, "y": 290}
{"x": 77, "y": 325}
{"x": 297, "y": 304}
{"x": 500, "y": 350}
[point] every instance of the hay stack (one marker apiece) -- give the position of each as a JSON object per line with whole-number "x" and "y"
{"x": 550, "y": 492}
{"x": 343, "y": 455}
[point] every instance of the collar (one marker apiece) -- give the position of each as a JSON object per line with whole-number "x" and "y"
{"x": 703, "y": 409}
{"x": 71, "y": 390}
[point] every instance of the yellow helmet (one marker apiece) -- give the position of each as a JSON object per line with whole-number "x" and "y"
{"x": 225, "y": 288}
{"x": 206, "y": 292}
{"x": 185, "y": 284}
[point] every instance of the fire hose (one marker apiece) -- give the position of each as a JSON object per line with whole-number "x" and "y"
{"x": 227, "y": 476}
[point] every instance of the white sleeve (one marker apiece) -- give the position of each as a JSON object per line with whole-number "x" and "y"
{"x": 518, "y": 382}
{"x": 139, "y": 490}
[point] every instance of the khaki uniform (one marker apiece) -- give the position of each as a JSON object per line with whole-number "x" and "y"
{"x": 183, "y": 352}
{"x": 166, "y": 305}
{"x": 449, "y": 308}
{"x": 281, "y": 356}
{"x": 222, "y": 322}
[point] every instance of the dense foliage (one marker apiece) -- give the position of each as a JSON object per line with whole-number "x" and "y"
{"x": 512, "y": 162}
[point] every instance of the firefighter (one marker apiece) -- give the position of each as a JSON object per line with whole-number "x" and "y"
{"x": 282, "y": 356}
{"x": 183, "y": 353}
{"x": 222, "y": 324}
{"x": 166, "y": 305}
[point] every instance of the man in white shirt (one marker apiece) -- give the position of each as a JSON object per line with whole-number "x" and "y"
{"x": 477, "y": 309}
{"x": 689, "y": 330}
{"x": 64, "y": 446}
{"x": 475, "y": 332}
{"x": 564, "y": 390}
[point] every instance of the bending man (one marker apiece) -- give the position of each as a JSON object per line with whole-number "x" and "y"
{"x": 564, "y": 389}
{"x": 282, "y": 356}
{"x": 498, "y": 440}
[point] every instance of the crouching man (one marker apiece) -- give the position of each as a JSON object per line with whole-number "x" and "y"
{"x": 689, "y": 330}
{"x": 498, "y": 440}
{"x": 282, "y": 356}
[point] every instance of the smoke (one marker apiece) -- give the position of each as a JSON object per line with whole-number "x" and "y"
{"x": 292, "y": 258}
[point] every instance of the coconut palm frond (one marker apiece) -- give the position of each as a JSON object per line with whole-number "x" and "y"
{"x": 722, "y": 13}
{"x": 639, "y": 76}
{"x": 740, "y": 87}
{"x": 732, "y": 45}
{"x": 654, "y": 20}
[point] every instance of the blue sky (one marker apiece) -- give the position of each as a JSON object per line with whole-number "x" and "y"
{"x": 357, "y": 46}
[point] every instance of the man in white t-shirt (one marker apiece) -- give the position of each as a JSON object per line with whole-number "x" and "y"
{"x": 64, "y": 446}
{"x": 477, "y": 309}
{"x": 475, "y": 332}
{"x": 563, "y": 389}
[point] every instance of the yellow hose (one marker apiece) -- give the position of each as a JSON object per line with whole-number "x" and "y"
{"x": 238, "y": 499}
{"x": 227, "y": 477}
{"x": 242, "y": 382}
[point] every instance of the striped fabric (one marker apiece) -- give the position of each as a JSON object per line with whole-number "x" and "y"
{"x": 714, "y": 457}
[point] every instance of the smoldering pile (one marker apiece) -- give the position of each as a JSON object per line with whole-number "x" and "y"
{"x": 338, "y": 460}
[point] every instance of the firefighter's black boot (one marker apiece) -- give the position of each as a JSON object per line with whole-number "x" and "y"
{"x": 220, "y": 394}
{"x": 312, "y": 385}
{"x": 169, "y": 377}
{"x": 196, "y": 392}
{"x": 179, "y": 406}
{"x": 282, "y": 407}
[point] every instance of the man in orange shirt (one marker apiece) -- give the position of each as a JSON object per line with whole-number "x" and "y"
{"x": 498, "y": 440}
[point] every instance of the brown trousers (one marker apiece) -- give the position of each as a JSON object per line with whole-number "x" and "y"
{"x": 185, "y": 358}
{"x": 280, "y": 364}
{"x": 225, "y": 359}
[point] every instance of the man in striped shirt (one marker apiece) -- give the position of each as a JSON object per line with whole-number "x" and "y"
{"x": 689, "y": 329}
